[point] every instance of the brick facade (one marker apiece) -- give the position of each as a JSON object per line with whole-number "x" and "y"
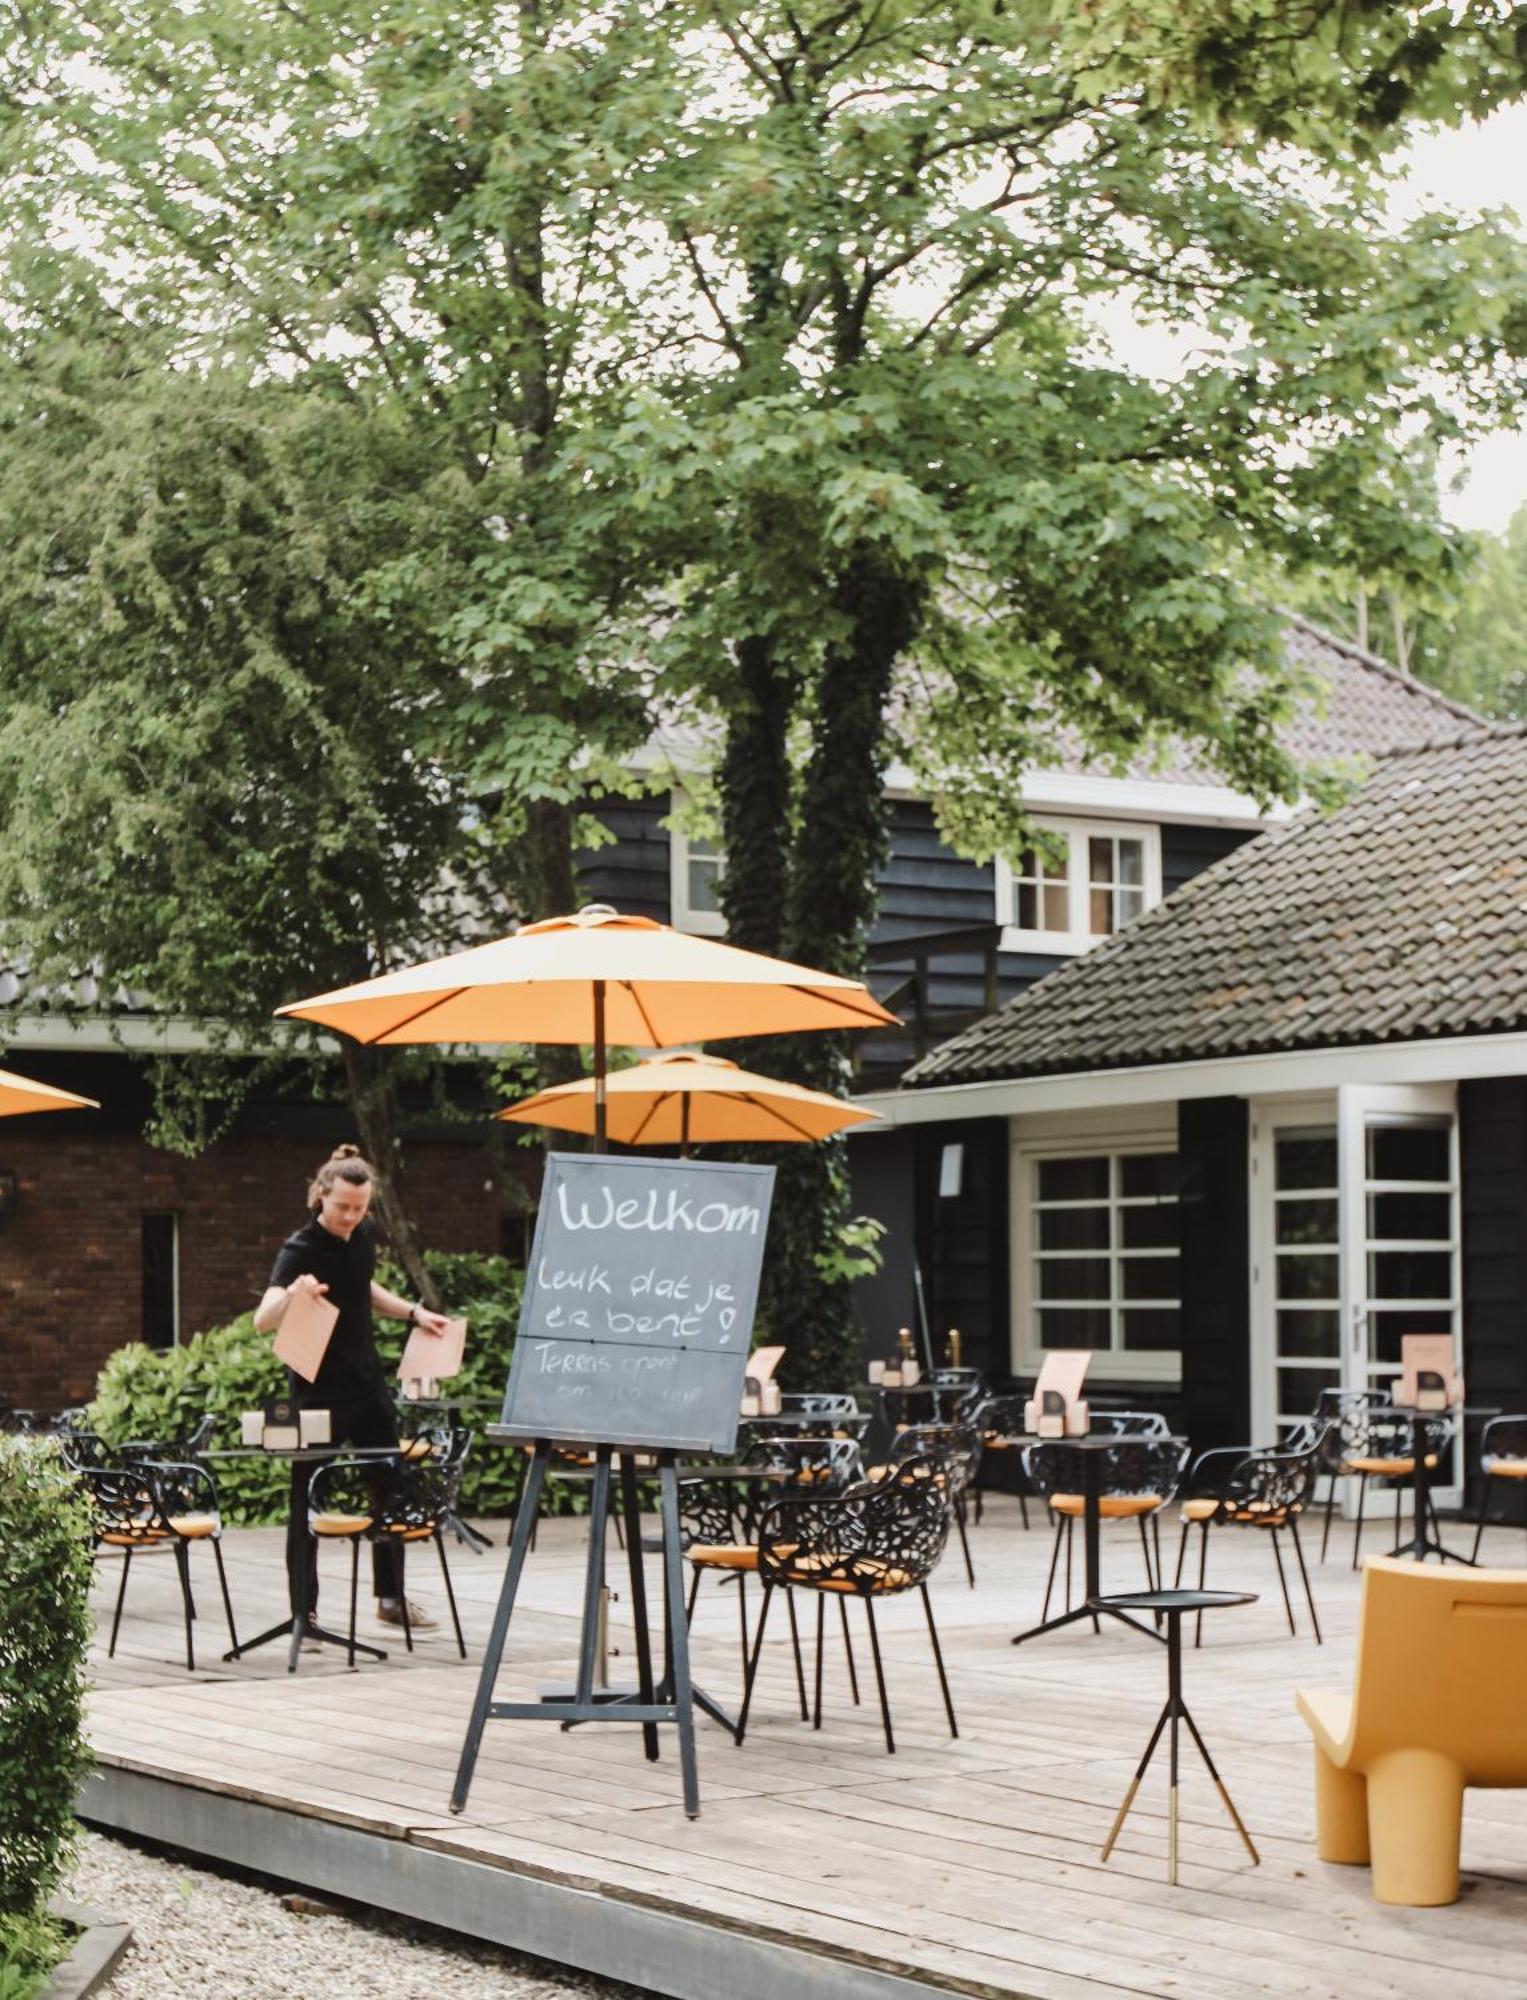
{"x": 71, "y": 1257}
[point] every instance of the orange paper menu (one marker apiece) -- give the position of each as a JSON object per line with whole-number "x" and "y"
{"x": 302, "y": 1338}
{"x": 430, "y": 1357}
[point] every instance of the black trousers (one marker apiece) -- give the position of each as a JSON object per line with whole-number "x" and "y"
{"x": 365, "y": 1419}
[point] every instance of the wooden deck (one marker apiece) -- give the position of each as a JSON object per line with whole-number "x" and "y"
{"x": 820, "y": 1866}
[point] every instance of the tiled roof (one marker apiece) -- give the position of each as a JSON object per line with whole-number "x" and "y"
{"x": 1402, "y": 916}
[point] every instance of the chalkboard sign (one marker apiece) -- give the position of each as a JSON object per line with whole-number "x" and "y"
{"x": 639, "y": 1302}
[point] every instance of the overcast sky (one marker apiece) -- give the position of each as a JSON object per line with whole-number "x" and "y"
{"x": 1481, "y": 166}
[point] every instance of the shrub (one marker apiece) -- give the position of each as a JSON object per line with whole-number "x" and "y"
{"x": 44, "y": 1640}
{"x": 30, "y": 1947}
{"x": 144, "y": 1394}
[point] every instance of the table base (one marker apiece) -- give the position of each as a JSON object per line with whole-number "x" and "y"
{"x": 298, "y": 1630}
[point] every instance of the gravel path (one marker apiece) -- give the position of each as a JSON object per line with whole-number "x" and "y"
{"x": 221, "y": 1937}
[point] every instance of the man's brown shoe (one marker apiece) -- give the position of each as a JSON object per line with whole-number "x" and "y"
{"x": 389, "y": 1611}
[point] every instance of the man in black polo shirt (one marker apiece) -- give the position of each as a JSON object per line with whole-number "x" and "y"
{"x": 334, "y": 1256}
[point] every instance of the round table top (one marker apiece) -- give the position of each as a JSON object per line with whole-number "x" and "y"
{"x": 1178, "y": 1600}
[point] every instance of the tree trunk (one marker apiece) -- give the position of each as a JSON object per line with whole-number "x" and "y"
{"x": 756, "y": 802}
{"x": 838, "y": 847}
{"x": 373, "y": 1102}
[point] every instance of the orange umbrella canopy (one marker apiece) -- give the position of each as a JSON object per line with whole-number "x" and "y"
{"x": 685, "y": 1099}
{"x": 20, "y": 1093}
{"x": 552, "y": 982}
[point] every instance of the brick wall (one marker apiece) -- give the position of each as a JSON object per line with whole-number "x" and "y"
{"x": 71, "y": 1257}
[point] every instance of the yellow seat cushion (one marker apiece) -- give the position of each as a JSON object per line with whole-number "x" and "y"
{"x": 867, "y": 1573}
{"x": 401, "y": 1533}
{"x": 1199, "y": 1510}
{"x": 723, "y": 1555}
{"x": 194, "y": 1527}
{"x": 1112, "y": 1506}
{"x": 339, "y": 1524}
{"x": 1389, "y": 1468}
{"x": 133, "y": 1538}
{"x": 1506, "y": 1468}
{"x": 416, "y": 1448}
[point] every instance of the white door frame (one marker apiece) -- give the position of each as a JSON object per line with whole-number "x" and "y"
{"x": 1268, "y": 1117}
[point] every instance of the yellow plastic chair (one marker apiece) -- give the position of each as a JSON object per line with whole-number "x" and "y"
{"x": 1441, "y": 1664}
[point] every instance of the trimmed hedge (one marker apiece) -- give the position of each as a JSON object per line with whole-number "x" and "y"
{"x": 44, "y": 1641}
{"x": 144, "y": 1394}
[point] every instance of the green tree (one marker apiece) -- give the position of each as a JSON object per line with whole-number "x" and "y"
{"x": 1481, "y": 653}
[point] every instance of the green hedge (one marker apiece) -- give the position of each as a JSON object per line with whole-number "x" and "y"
{"x": 143, "y": 1394}
{"x": 44, "y": 1640}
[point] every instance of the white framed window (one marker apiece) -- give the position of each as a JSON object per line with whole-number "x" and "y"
{"x": 695, "y": 870}
{"x": 1097, "y": 1261}
{"x": 1088, "y": 880}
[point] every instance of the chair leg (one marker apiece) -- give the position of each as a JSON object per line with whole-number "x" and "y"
{"x": 694, "y": 1592}
{"x": 1203, "y": 1570}
{"x": 1357, "y": 1533}
{"x": 222, "y": 1579}
{"x": 355, "y": 1580}
{"x": 1309, "y": 1595}
{"x": 848, "y": 1651}
{"x": 752, "y": 1672}
{"x": 1272, "y": 1535}
{"x": 183, "y": 1568}
{"x": 938, "y": 1661}
{"x": 1182, "y": 1550}
{"x": 1145, "y": 1544}
{"x": 111, "y": 1650}
{"x": 450, "y": 1595}
{"x": 816, "y": 1706}
{"x": 1341, "y": 1813}
{"x": 885, "y": 1706}
{"x": 1419, "y": 1525}
{"x": 795, "y": 1642}
{"x": 959, "y": 1522}
{"x": 742, "y": 1617}
{"x": 1330, "y": 1504}
{"x": 1069, "y": 1524}
{"x": 1023, "y": 1508}
{"x": 1054, "y": 1564}
{"x": 408, "y": 1636}
{"x": 1415, "y": 1822}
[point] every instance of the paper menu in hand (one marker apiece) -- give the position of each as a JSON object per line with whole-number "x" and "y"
{"x": 302, "y": 1338}
{"x": 430, "y": 1357}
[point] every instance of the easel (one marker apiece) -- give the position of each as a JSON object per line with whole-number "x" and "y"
{"x": 674, "y": 1701}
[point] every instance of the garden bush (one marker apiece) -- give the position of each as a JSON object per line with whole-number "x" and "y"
{"x": 44, "y": 1639}
{"x": 146, "y": 1394}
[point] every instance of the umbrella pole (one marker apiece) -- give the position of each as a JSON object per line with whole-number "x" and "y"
{"x": 683, "y": 1124}
{"x": 599, "y": 1067}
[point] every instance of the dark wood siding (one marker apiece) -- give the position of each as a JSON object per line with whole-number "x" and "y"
{"x": 1216, "y": 1293}
{"x": 965, "y": 1243}
{"x": 882, "y": 1170}
{"x": 631, "y": 869}
{"x": 1187, "y": 850}
{"x": 1492, "y": 1139}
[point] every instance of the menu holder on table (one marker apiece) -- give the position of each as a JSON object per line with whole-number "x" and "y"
{"x": 1428, "y": 1380}
{"x": 1056, "y": 1408}
{"x": 302, "y": 1338}
{"x": 760, "y": 1391}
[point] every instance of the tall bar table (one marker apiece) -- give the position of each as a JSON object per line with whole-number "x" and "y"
{"x": 1094, "y": 1604}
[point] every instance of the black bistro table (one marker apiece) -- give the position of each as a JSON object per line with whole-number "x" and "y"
{"x": 1173, "y": 1605}
{"x": 1094, "y": 1604}
{"x": 1423, "y": 1540}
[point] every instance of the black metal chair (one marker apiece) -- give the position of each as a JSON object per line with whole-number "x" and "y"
{"x": 185, "y": 1448}
{"x": 147, "y": 1505}
{"x": 930, "y": 1401}
{"x": 1343, "y": 1413}
{"x": 1267, "y": 1490}
{"x": 824, "y": 1413}
{"x": 387, "y": 1501}
{"x": 956, "y": 1448}
{"x": 1000, "y": 1421}
{"x": 873, "y": 1541}
{"x": 1376, "y": 1443}
{"x": 1137, "y": 1477}
{"x": 1503, "y": 1456}
{"x": 1128, "y": 1423}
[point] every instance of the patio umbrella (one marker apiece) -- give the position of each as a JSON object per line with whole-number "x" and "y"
{"x": 684, "y": 1099}
{"x": 20, "y": 1093}
{"x": 600, "y": 977}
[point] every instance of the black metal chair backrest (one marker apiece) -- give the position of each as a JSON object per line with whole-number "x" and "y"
{"x": 182, "y": 1449}
{"x": 1346, "y": 1412}
{"x": 1273, "y": 1483}
{"x": 822, "y": 1413}
{"x": 1128, "y": 1466}
{"x": 1503, "y": 1438}
{"x": 1001, "y": 1417}
{"x": 954, "y": 1448}
{"x": 826, "y": 1462}
{"x": 1378, "y": 1430}
{"x": 929, "y": 1402}
{"x": 83, "y": 1450}
{"x": 180, "y": 1489}
{"x": 124, "y": 1506}
{"x": 875, "y": 1539}
{"x": 1129, "y": 1423}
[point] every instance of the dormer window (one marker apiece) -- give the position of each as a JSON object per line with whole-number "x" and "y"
{"x": 1088, "y": 880}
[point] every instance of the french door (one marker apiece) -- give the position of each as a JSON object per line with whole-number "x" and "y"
{"x": 1354, "y": 1242}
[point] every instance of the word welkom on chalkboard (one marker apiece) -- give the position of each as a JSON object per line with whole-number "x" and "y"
{"x": 639, "y": 1302}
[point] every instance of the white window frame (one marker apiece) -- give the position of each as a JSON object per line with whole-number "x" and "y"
{"x": 699, "y": 923}
{"x": 1076, "y": 833}
{"x": 1116, "y": 1363}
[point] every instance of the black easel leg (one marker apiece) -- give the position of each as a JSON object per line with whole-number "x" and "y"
{"x": 593, "y": 1576}
{"x": 848, "y": 1650}
{"x": 673, "y": 1588}
{"x": 631, "y": 1507}
{"x": 885, "y": 1706}
{"x": 938, "y": 1661}
{"x": 519, "y": 1547}
{"x": 355, "y": 1587}
{"x": 1309, "y": 1595}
